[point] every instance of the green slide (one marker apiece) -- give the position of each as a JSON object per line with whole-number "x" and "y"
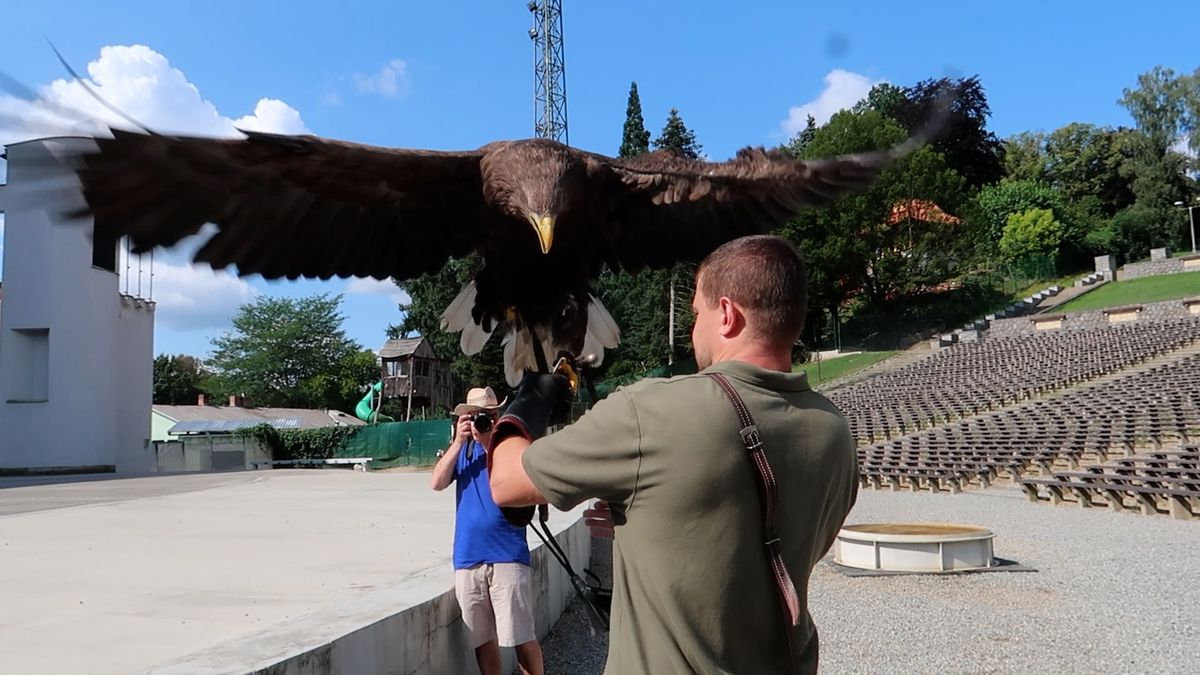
{"x": 365, "y": 410}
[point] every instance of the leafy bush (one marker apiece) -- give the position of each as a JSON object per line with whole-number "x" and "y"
{"x": 1031, "y": 232}
{"x": 319, "y": 443}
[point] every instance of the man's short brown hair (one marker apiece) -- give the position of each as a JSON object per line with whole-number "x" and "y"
{"x": 765, "y": 275}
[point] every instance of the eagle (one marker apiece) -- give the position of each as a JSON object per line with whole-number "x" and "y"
{"x": 544, "y": 217}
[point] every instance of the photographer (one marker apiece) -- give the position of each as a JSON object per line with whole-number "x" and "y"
{"x": 491, "y": 556}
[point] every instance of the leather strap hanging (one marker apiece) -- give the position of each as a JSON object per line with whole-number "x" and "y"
{"x": 769, "y": 500}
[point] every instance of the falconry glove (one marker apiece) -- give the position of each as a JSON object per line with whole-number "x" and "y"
{"x": 542, "y": 400}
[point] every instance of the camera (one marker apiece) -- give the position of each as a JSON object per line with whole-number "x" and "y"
{"x": 482, "y": 422}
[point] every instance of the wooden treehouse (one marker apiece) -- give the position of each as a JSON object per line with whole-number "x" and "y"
{"x": 412, "y": 371}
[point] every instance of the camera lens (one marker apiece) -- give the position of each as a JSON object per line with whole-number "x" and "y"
{"x": 482, "y": 422}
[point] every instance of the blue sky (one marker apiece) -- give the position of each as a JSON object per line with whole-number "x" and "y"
{"x": 457, "y": 75}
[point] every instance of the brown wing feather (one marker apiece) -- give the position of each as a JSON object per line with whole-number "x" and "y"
{"x": 672, "y": 208}
{"x": 288, "y": 206}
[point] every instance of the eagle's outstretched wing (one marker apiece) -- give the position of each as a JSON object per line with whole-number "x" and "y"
{"x": 287, "y": 206}
{"x": 670, "y": 208}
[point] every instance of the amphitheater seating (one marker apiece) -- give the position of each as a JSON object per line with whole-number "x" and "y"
{"x": 1152, "y": 483}
{"x": 1089, "y": 445}
{"x": 977, "y": 377}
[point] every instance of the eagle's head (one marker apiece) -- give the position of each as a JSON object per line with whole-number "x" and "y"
{"x": 536, "y": 181}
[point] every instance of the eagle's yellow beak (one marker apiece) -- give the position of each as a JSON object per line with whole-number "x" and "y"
{"x": 544, "y": 226}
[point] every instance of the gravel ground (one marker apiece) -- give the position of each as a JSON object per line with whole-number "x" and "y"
{"x": 1113, "y": 593}
{"x": 570, "y": 647}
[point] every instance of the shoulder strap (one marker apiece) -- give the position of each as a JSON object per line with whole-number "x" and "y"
{"x": 769, "y": 500}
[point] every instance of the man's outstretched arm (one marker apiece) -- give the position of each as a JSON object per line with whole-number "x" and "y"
{"x": 540, "y": 399}
{"x": 596, "y": 457}
{"x": 509, "y": 481}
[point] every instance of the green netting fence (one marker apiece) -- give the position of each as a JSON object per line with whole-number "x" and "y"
{"x": 1015, "y": 275}
{"x": 398, "y": 443}
{"x": 392, "y": 444}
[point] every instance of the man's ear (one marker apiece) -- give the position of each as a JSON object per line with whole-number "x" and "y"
{"x": 732, "y": 319}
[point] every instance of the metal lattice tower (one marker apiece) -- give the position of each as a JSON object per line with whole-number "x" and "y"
{"x": 549, "y": 71}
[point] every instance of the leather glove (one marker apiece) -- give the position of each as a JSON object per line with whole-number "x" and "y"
{"x": 542, "y": 399}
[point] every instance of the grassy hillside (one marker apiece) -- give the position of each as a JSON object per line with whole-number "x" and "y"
{"x": 832, "y": 369}
{"x": 1137, "y": 291}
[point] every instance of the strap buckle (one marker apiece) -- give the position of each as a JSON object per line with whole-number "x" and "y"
{"x": 750, "y": 437}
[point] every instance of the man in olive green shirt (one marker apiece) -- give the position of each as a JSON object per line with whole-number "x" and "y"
{"x": 693, "y": 589}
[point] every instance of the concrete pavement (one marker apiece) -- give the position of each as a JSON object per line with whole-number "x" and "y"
{"x": 134, "y": 575}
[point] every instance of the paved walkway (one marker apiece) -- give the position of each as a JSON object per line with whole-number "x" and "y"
{"x": 1066, "y": 295}
{"x": 106, "y": 575}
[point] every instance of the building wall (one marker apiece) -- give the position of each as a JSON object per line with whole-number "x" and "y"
{"x": 159, "y": 423}
{"x": 133, "y": 384}
{"x": 95, "y": 414}
{"x": 1152, "y": 268}
{"x": 215, "y": 452}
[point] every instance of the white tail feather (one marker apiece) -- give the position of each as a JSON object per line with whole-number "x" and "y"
{"x": 518, "y": 356}
{"x": 458, "y": 315}
{"x": 602, "y": 325}
{"x": 511, "y": 374}
{"x": 474, "y": 337}
{"x": 593, "y": 348}
{"x": 602, "y": 333}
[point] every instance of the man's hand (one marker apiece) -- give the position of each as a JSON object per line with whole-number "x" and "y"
{"x": 462, "y": 431}
{"x": 443, "y": 471}
{"x": 599, "y": 520}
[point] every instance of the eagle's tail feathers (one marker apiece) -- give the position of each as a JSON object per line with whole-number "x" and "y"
{"x": 519, "y": 355}
{"x": 602, "y": 333}
{"x": 592, "y": 348}
{"x": 512, "y": 374}
{"x": 601, "y": 326}
{"x": 458, "y": 315}
{"x": 474, "y": 337}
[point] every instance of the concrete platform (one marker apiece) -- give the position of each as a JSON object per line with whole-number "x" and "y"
{"x": 228, "y": 572}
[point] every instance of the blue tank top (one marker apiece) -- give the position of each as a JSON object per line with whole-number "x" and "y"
{"x": 481, "y": 534}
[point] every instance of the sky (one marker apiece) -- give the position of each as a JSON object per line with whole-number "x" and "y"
{"x": 456, "y": 75}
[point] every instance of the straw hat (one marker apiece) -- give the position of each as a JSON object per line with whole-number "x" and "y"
{"x": 478, "y": 399}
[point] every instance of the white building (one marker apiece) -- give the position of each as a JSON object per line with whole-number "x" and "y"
{"x": 76, "y": 353}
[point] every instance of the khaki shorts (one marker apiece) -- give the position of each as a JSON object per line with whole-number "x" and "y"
{"x": 497, "y": 603}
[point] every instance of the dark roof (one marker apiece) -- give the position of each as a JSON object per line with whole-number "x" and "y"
{"x": 397, "y": 347}
{"x": 227, "y": 426}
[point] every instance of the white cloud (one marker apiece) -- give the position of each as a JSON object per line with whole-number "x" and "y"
{"x": 193, "y": 297}
{"x": 842, "y": 90}
{"x": 274, "y": 116}
{"x": 141, "y": 83}
{"x": 369, "y": 286}
{"x": 390, "y": 82}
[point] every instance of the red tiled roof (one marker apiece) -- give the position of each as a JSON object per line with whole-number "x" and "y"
{"x": 916, "y": 209}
